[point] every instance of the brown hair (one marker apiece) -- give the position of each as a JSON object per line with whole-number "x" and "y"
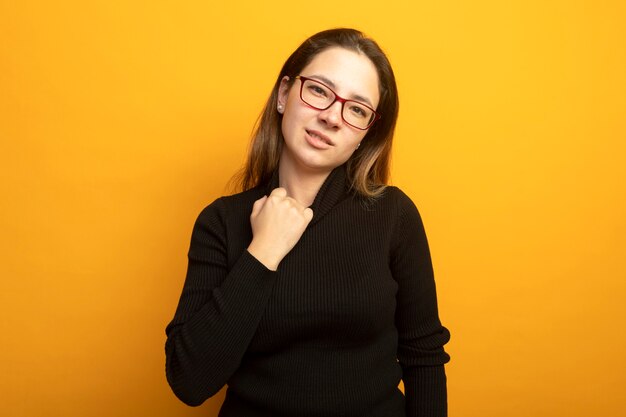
{"x": 368, "y": 167}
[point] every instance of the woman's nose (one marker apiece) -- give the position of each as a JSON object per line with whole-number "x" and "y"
{"x": 332, "y": 115}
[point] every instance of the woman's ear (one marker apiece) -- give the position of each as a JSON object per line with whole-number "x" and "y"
{"x": 283, "y": 92}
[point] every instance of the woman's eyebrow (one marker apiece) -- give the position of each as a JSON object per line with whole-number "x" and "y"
{"x": 331, "y": 84}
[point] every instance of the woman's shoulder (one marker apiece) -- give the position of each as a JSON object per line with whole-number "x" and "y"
{"x": 402, "y": 205}
{"x": 393, "y": 195}
{"x": 231, "y": 205}
{"x": 243, "y": 198}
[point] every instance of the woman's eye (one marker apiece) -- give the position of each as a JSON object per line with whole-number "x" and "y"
{"x": 358, "y": 111}
{"x": 317, "y": 90}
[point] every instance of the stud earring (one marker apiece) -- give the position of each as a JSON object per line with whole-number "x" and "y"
{"x": 357, "y": 146}
{"x": 280, "y": 108}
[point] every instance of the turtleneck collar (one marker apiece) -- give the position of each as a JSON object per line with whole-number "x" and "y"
{"x": 333, "y": 190}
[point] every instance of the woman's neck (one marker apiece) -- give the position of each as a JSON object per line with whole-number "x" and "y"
{"x": 301, "y": 185}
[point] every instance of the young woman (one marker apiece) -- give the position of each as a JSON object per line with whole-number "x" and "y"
{"x": 311, "y": 292}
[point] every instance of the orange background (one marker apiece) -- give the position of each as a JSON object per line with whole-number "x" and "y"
{"x": 120, "y": 121}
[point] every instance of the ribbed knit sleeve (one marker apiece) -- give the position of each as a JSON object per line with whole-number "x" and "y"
{"x": 218, "y": 312}
{"x": 421, "y": 335}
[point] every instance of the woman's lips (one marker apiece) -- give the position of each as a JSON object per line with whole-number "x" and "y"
{"x": 318, "y": 140}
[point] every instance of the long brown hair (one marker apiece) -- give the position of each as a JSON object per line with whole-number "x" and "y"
{"x": 368, "y": 167}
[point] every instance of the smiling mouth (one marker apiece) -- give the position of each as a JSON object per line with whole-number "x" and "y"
{"x": 321, "y": 137}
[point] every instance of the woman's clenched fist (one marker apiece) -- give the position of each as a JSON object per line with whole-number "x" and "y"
{"x": 278, "y": 222}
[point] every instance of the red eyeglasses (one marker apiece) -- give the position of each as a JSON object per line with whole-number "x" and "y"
{"x": 319, "y": 96}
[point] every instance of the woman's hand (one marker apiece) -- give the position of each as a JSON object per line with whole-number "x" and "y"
{"x": 277, "y": 222}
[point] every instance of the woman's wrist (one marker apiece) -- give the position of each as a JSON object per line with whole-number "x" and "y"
{"x": 269, "y": 260}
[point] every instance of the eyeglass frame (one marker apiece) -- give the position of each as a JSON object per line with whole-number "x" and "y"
{"x": 337, "y": 99}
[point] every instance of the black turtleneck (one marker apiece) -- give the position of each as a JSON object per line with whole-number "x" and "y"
{"x": 350, "y": 311}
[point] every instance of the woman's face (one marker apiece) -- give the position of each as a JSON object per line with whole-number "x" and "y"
{"x": 319, "y": 140}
